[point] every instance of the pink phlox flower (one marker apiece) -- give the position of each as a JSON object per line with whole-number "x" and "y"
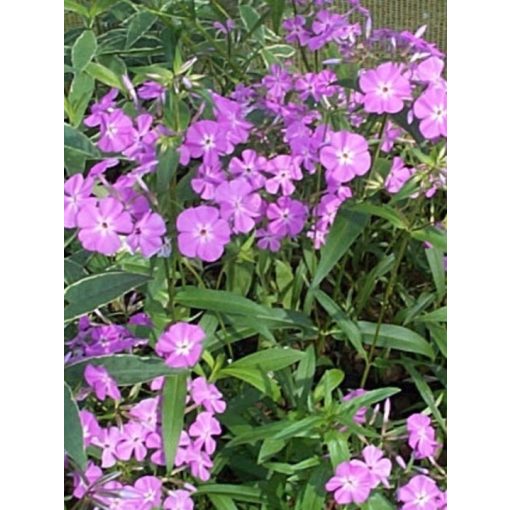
{"x": 385, "y": 88}
{"x": 390, "y": 135}
{"x": 117, "y": 132}
{"x": 346, "y": 157}
{"x": 429, "y": 71}
{"x": 146, "y": 493}
{"x": 327, "y": 26}
{"x": 207, "y": 395}
{"x": 203, "y": 428}
{"x": 286, "y": 217}
{"x": 207, "y": 179}
{"x": 152, "y": 90}
{"x": 422, "y": 437}
{"x": 107, "y": 440}
{"x": 89, "y": 425}
{"x": 379, "y": 467}
{"x": 268, "y": 240}
{"x": 238, "y": 202}
{"x": 132, "y": 442}
{"x": 181, "y": 345}
{"x": 352, "y": 483}
{"x": 100, "y": 110}
{"x": 431, "y": 109}
{"x": 230, "y": 115}
{"x": 249, "y": 165}
{"x": 199, "y": 462}
{"x": 143, "y": 148}
{"x": 101, "y": 382}
{"x": 278, "y": 82}
{"x": 141, "y": 319}
{"x": 155, "y": 441}
{"x": 420, "y": 493}
{"x": 296, "y": 31}
{"x": 147, "y": 235}
{"x": 77, "y": 193}
{"x": 178, "y": 500}
{"x": 146, "y": 412}
{"x": 86, "y": 485}
{"x": 207, "y": 139}
{"x": 101, "y": 167}
{"x": 101, "y": 224}
{"x": 285, "y": 170}
{"x": 157, "y": 383}
{"x": 398, "y": 176}
{"x": 202, "y": 233}
{"x": 441, "y": 501}
{"x": 181, "y": 457}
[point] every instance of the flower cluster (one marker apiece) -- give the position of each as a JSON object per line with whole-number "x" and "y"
{"x": 422, "y": 437}
{"x": 140, "y": 438}
{"x": 114, "y": 214}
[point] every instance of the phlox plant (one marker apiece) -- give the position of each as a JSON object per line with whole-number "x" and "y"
{"x": 255, "y": 259}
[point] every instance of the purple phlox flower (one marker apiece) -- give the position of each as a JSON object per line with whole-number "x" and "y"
{"x": 286, "y": 217}
{"x": 352, "y": 483}
{"x": 224, "y": 28}
{"x": 117, "y": 132}
{"x": 429, "y": 71}
{"x": 107, "y": 440}
{"x": 157, "y": 383}
{"x": 318, "y": 234}
{"x": 81, "y": 485}
{"x": 346, "y": 157}
{"x": 327, "y": 26}
{"x": 326, "y": 86}
{"x": 385, "y": 88}
{"x": 249, "y": 166}
{"x": 112, "y": 496}
{"x": 230, "y": 115}
{"x": 146, "y": 412}
{"x": 268, "y": 240}
{"x": 422, "y": 437}
{"x": 207, "y": 395}
{"x": 207, "y": 139}
{"x": 152, "y": 90}
{"x": 108, "y": 339}
{"x": 430, "y": 107}
{"x": 304, "y": 152}
{"x": 181, "y": 345}
{"x": 141, "y": 319}
{"x": 398, "y": 176}
{"x": 89, "y": 425}
{"x": 307, "y": 86}
{"x": 77, "y": 194}
{"x": 390, "y": 135}
{"x": 296, "y": 31}
{"x": 202, "y": 233}
{"x": 327, "y": 208}
{"x": 238, "y": 202}
{"x": 143, "y": 148}
{"x": 132, "y": 442}
{"x": 147, "y": 234}
{"x": 101, "y": 382}
{"x": 441, "y": 501}
{"x": 146, "y": 493}
{"x": 181, "y": 457}
{"x": 178, "y": 500}
{"x": 100, "y": 110}
{"x": 155, "y": 441}
{"x": 285, "y": 170}
{"x": 420, "y": 493}
{"x": 360, "y": 416}
{"x": 379, "y": 467}
{"x": 208, "y": 178}
{"x": 101, "y": 224}
{"x": 101, "y": 167}
{"x": 134, "y": 202}
{"x": 203, "y": 428}
{"x": 199, "y": 462}
{"x": 278, "y": 82}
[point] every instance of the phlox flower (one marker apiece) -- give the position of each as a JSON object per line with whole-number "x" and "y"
{"x": 101, "y": 167}
{"x": 379, "y": 467}
{"x": 230, "y": 116}
{"x": 430, "y": 107}
{"x": 199, "y": 462}
{"x": 107, "y": 440}
{"x": 203, "y": 428}
{"x": 207, "y": 139}
{"x": 277, "y": 82}
{"x": 146, "y": 412}
{"x": 155, "y": 441}
{"x": 101, "y": 382}
{"x": 345, "y": 157}
{"x": 296, "y": 31}
{"x": 100, "y": 110}
{"x": 352, "y": 483}
{"x": 327, "y": 26}
{"x": 420, "y": 493}
{"x": 207, "y": 395}
{"x": 390, "y": 134}
{"x": 286, "y": 217}
{"x": 268, "y": 240}
{"x": 152, "y": 90}
{"x": 249, "y": 166}
{"x": 146, "y": 493}
{"x": 285, "y": 170}
{"x": 422, "y": 437}
{"x": 360, "y": 415}
{"x": 181, "y": 345}
{"x": 89, "y": 425}
{"x": 208, "y": 178}
{"x": 429, "y": 71}
{"x": 147, "y": 234}
{"x": 117, "y": 132}
{"x": 82, "y": 485}
{"x": 441, "y": 501}
{"x": 398, "y": 176}
{"x": 178, "y": 500}
{"x": 238, "y": 202}
{"x": 385, "y": 88}
{"x": 101, "y": 224}
{"x": 77, "y": 193}
{"x": 132, "y": 442}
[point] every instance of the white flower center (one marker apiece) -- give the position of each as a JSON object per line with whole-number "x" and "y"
{"x": 183, "y": 347}
{"x": 345, "y": 157}
{"x": 384, "y": 89}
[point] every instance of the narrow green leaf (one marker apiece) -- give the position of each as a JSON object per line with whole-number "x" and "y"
{"x": 222, "y": 502}
{"x": 438, "y": 315}
{"x": 395, "y": 337}
{"x": 438, "y": 334}
{"x": 73, "y": 434}
{"x": 270, "y": 360}
{"x": 269, "y": 448}
{"x": 313, "y": 495}
{"x": 338, "y": 447}
{"x": 432, "y": 235}
{"x": 304, "y": 376}
{"x": 74, "y": 6}
{"x": 300, "y": 427}
{"x": 238, "y": 492}
{"x": 167, "y": 164}
{"x": 83, "y": 50}
{"x": 172, "y": 415}
{"x": 104, "y": 75}
{"x": 385, "y": 211}
{"x": 256, "y": 377}
{"x": 126, "y": 369}
{"x": 138, "y": 26}
{"x": 435, "y": 259}
{"x": 76, "y": 141}
{"x": 73, "y": 271}
{"x": 347, "y": 227}
{"x": 378, "y": 502}
{"x": 97, "y": 290}
{"x": 252, "y": 22}
{"x": 80, "y": 94}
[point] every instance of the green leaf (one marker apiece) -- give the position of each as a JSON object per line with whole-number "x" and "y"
{"x": 435, "y": 259}
{"x": 330, "y": 380}
{"x": 139, "y": 25}
{"x": 338, "y": 446}
{"x": 74, "y": 6}
{"x": 395, "y": 337}
{"x": 425, "y": 392}
{"x": 435, "y": 237}
{"x": 347, "y": 227}
{"x": 222, "y": 502}
{"x": 313, "y": 496}
{"x": 252, "y": 22}
{"x": 378, "y": 502}
{"x": 77, "y": 142}
{"x": 104, "y": 75}
{"x": 168, "y": 160}
{"x": 385, "y": 211}
{"x": 270, "y": 360}
{"x": 238, "y": 492}
{"x": 172, "y": 415}
{"x": 255, "y": 377}
{"x": 304, "y": 376}
{"x": 126, "y": 369}
{"x": 277, "y": 8}
{"x": 73, "y": 434}
{"x": 80, "y": 94}
{"x": 269, "y": 448}
{"x": 438, "y": 334}
{"x": 97, "y": 290}
{"x": 438, "y": 315}
{"x": 83, "y": 50}
{"x": 73, "y": 271}
{"x": 300, "y": 427}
